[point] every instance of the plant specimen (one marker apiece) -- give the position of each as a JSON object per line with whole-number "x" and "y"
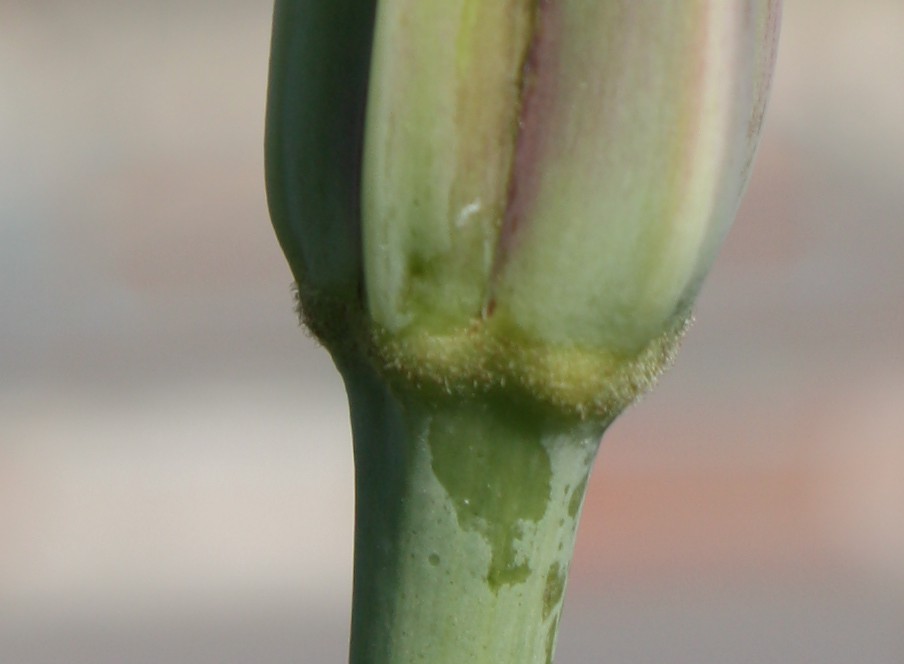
{"x": 498, "y": 214}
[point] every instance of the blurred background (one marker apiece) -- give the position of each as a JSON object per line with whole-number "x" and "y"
{"x": 175, "y": 464}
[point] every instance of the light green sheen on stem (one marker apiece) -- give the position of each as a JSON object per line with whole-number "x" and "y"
{"x": 467, "y": 510}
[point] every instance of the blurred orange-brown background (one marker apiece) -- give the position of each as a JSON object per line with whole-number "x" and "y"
{"x": 175, "y": 465}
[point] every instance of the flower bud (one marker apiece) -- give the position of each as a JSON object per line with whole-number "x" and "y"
{"x": 544, "y": 184}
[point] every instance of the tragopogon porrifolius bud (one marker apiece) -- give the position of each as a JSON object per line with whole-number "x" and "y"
{"x": 499, "y": 213}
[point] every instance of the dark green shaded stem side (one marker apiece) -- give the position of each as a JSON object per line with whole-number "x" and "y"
{"x": 466, "y": 511}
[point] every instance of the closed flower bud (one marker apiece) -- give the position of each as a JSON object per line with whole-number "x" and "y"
{"x": 499, "y": 213}
{"x": 511, "y": 190}
{"x": 545, "y": 184}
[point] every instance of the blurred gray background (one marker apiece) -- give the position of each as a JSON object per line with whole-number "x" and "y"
{"x": 175, "y": 465}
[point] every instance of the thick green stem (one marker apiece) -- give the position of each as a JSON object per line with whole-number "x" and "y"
{"x": 466, "y": 512}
